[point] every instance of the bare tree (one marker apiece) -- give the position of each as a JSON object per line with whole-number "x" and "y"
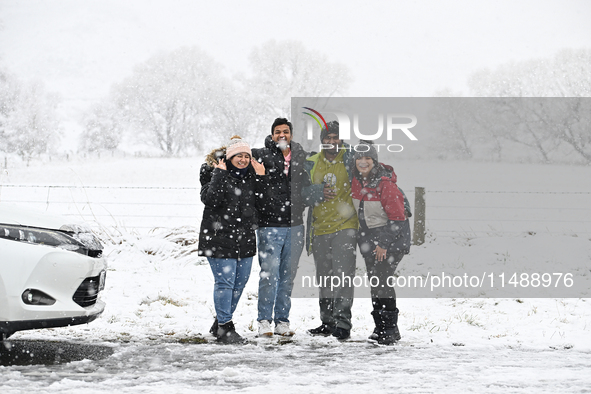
{"x": 535, "y": 123}
{"x": 515, "y": 121}
{"x": 569, "y": 122}
{"x": 180, "y": 100}
{"x": 235, "y": 111}
{"x": 169, "y": 100}
{"x": 102, "y": 128}
{"x": 462, "y": 128}
{"x": 286, "y": 69}
{"x": 8, "y": 93}
{"x": 567, "y": 74}
{"x": 451, "y": 131}
{"x": 28, "y": 119}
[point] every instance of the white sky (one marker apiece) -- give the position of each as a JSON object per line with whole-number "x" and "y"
{"x": 393, "y": 48}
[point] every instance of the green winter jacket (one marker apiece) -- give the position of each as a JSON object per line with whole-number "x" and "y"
{"x": 313, "y": 194}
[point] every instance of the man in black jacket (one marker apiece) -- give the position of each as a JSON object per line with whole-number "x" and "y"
{"x": 281, "y": 230}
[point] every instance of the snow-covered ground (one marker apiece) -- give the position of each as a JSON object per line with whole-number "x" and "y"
{"x": 159, "y": 303}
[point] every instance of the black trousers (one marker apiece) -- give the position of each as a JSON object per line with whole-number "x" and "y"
{"x": 383, "y": 294}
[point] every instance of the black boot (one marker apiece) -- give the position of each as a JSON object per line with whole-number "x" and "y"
{"x": 341, "y": 333}
{"x": 227, "y": 334}
{"x": 390, "y": 333}
{"x": 378, "y": 321}
{"x": 214, "y": 328}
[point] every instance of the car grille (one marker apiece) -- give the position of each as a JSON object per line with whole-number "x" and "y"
{"x": 87, "y": 292}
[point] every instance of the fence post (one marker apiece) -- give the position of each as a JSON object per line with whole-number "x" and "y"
{"x": 419, "y": 230}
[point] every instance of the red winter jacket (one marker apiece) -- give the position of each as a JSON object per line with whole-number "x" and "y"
{"x": 383, "y": 211}
{"x": 383, "y": 200}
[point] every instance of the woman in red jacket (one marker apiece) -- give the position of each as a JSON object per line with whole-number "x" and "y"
{"x": 383, "y": 237}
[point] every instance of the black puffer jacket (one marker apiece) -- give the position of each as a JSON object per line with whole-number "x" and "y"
{"x": 230, "y": 214}
{"x": 282, "y": 203}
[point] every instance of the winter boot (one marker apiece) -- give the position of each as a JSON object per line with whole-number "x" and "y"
{"x": 341, "y": 333}
{"x": 227, "y": 334}
{"x": 389, "y": 334}
{"x": 378, "y": 321}
{"x": 214, "y": 328}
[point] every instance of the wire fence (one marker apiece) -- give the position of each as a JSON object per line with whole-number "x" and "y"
{"x": 478, "y": 213}
{"x": 448, "y": 212}
{"x": 130, "y": 207}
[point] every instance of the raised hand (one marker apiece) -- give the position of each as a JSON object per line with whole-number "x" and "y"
{"x": 221, "y": 164}
{"x": 258, "y": 167}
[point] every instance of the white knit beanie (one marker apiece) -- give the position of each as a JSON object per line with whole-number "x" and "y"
{"x": 237, "y": 145}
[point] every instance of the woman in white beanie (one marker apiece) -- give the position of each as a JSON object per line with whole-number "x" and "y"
{"x": 231, "y": 185}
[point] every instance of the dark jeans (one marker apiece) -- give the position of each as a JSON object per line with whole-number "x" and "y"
{"x": 383, "y": 297}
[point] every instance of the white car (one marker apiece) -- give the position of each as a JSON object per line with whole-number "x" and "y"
{"x": 51, "y": 271}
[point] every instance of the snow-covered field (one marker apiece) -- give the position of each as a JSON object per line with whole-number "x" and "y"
{"x": 159, "y": 297}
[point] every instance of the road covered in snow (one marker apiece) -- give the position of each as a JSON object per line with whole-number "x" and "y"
{"x": 319, "y": 365}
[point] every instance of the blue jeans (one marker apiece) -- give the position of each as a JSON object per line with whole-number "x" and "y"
{"x": 279, "y": 252}
{"x": 230, "y": 277}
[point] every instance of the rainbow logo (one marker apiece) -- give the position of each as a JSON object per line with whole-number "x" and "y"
{"x": 315, "y": 118}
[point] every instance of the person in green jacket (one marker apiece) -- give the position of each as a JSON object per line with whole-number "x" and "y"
{"x": 332, "y": 228}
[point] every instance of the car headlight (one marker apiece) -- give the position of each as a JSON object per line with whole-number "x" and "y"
{"x": 74, "y": 238}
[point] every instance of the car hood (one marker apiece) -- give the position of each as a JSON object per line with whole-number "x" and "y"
{"x": 16, "y": 215}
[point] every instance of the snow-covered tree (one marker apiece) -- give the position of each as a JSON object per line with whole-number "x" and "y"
{"x": 567, "y": 74}
{"x": 28, "y": 119}
{"x": 102, "y": 128}
{"x": 235, "y": 113}
{"x": 8, "y": 92}
{"x": 540, "y": 126}
{"x": 543, "y": 127}
{"x": 286, "y": 69}
{"x": 169, "y": 100}
{"x": 180, "y": 100}
{"x": 568, "y": 121}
